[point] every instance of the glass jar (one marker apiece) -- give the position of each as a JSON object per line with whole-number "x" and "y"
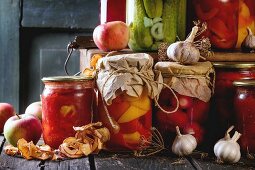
{"x": 134, "y": 118}
{"x": 126, "y": 88}
{"x": 189, "y": 88}
{"x": 66, "y": 102}
{"x": 227, "y": 20}
{"x": 226, "y": 74}
{"x": 244, "y": 102}
{"x": 112, "y": 10}
{"x": 154, "y": 22}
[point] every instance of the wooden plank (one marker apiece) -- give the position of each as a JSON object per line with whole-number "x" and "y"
{"x": 13, "y": 163}
{"x": 108, "y": 161}
{"x": 86, "y": 54}
{"x": 77, "y": 164}
{"x": 9, "y": 52}
{"x": 60, "y": 14}
{"x": 211, "y": 163}
{"x": 232, "y": 56}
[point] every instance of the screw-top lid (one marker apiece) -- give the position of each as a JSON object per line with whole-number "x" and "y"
{"x": 237, "y": 65}
{"x": 66, "y": 78}
{"x": 240, "y": 83}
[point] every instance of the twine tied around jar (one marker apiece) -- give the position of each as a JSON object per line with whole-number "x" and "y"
{"x": 142, "y": 75}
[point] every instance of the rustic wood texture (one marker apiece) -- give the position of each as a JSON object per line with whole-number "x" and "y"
{"x": 86, "y": 54}
{"x": 210, "y": 163}
{"x": 72, "y": 164}
{"x": 126, "y": 161}
{"x": 61, "y": 14}
{"x": 232, "y": 56}
{"x": 9, "y": 52}
{"x": 9, "y": 162}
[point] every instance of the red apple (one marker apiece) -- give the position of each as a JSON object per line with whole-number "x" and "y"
{"x": 111, "y": 36}
{"x": 23, "y": 126}
{"x": 199, "y": 111}
{"x": 35, "y": 109}
{"x": 185, "y": 101}
{"x": 6, "y": 111}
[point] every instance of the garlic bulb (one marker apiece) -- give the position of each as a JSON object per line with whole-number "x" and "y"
{"x": 184, "y": 52}
{"x": 227, "y": 149}
{"x": 183, "y": 144}
{"x": 248, "y": 44}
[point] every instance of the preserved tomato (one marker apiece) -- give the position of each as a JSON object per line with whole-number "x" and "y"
{"x": 191, "y": 85}
{"x": 66, "y": 102}
{"x": 226, "y": 74}
{"x": 244, "y": 102}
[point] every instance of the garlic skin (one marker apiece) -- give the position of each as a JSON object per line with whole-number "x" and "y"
{"x": 228, "y": 150}
{"x": 248, "y": 44}
{"x": 185, "y": 52}
{"x": 183, "y": 144}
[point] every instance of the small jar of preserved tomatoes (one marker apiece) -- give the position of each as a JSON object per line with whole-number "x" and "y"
{"x": 127, "y": 86}
{"x": 66, "y": 102}
{"x": 244, "y": 102}
{"x": 192, "y": 86}
{"x": 226, "y": 20}
{"x": 223, "y": 108}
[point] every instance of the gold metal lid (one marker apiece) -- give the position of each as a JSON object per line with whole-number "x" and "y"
{"x": 237, "y": 65}
{"x": 66, "y": 78}
{"x": 239, "y": 83}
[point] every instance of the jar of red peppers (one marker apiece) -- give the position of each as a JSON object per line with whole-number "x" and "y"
{"x": 244, "y": 102}
{"x": 66, "y": 102}
{"x": 192, "y": 84}
{"x": 223, "y": 107}
{"x": 227, "y": 20}
{"x": 126, "y": 85}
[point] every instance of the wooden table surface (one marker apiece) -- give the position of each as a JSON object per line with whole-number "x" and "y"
{"x": 113, "y": 161}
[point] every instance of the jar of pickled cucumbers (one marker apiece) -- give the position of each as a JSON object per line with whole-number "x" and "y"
{"x": 227, "y": 20}
{"x": 126, "y": 88}
{"x": 192, "y": 87}
{"x": 153, "y": 22}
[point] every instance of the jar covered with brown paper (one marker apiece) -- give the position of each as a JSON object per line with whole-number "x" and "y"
{"x": 127, "y": 85}
{"x": 187, "y": 103}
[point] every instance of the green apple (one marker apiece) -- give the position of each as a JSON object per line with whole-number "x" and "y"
{"x": 6, "y": 111}
{"x": 22, "y": 126}
{"x": 35, "y": 109}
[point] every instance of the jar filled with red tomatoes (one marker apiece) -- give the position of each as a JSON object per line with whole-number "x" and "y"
{"x": 66, "y": 102}
{"x": 244, "y": 102}
{"x": 126, "y": 86}
{"x": 192, "y": 88}
{"x": 227, "y": 20}
{"x": 226, "y": 74}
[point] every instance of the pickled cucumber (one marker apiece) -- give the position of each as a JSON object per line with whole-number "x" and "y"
{"x": 181, "y": 21}
{"x": 142, "y": 34}
{"x": 132, "y": 41}
{"x": 170, "y": 12}
{"x": 153, "y": 8}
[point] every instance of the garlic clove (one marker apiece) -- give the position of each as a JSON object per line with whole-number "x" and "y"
{"x": 248, "y": 44}
{"x": 183, "y": 144}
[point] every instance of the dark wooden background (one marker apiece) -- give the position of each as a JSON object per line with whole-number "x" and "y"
{"x": 33, "y": 39}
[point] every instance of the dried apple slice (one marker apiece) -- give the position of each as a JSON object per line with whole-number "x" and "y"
{"x": 24, "y": 148}
{"x": 11, "y": 150}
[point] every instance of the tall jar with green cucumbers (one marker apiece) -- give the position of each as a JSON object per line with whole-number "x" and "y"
{"x": 152, "y": 22}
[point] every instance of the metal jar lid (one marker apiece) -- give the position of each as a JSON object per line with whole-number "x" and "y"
{"x": 241, "y": 83}
{"x": 237, "y": 65}
{"x": 66, "y": 78}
